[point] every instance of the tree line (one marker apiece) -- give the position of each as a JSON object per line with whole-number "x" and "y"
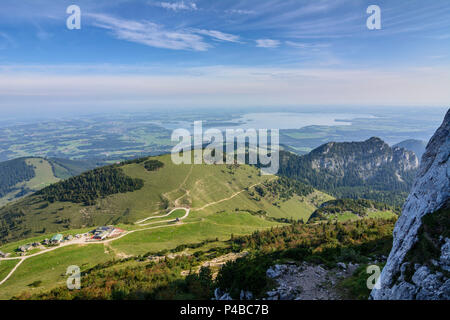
{"x": 90, "y": 186}
{"x": 13, "y": 172}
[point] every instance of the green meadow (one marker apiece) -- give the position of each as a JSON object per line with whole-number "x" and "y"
{"x": 222, "y": 199}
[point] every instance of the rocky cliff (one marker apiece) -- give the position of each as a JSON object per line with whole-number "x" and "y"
{"x": 368, "y": 157}
{"x": 418, "y": 266}
{"x": 416, "y": 146}
{"x": 368, "y": 169}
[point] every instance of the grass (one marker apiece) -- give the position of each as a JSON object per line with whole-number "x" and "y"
{"x": 350, "y": 216}
{"x": 220, "y": 226}
{"x": 50, "y": 268}
{"x": 434, "y": 230}
{"x": 355, "y": 286}
{"x": 218, "y": 196}
{"x": 44, "y": 174}
{"x": 175, "y": 214}
{"x": 6, "y": 266}
{"x": 43, "y": 177}
{"x": 11, "y": 247}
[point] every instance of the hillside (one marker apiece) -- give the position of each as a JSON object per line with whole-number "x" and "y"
{"x": 23, "y": 176}
{"x": 238, "y": 265}
{"x": 369, "y": 169}
{"x": 209, "y": 202}
{"x": 161, "y": 208}
{"x": 416, "y": 146}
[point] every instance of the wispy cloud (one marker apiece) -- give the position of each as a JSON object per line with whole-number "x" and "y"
{"x": 240, "y": 11}
{"x": 150, "y": 34}
{"x": 177, "y": 6}
{"x": 155, "y": 35}
{"x": 5, "y": 40}
{"x": 305, "y": 45}
{"x": 218, "y": 35}
{"x": 267, "y": 43}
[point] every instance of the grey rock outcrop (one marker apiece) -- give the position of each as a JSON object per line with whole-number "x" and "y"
{"x": 307, "y": 281}
{"x": 430, "y": 192}
{"x": 365, "y": 159}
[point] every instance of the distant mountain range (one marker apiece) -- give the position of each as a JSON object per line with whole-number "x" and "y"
{"x": 370, "y": 169}
{"x": 163, "y": 206}
{"x": 416, "y": 146}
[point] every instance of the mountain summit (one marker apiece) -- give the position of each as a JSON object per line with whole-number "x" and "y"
{"x": 368, "y": 169}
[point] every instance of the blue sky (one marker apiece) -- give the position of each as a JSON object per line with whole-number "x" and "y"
{"x": 143, "y": 54}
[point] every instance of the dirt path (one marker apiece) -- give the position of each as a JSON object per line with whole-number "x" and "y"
{"x": 171, "y": 220}
{"x": 155, "y": 217}
{"x": 12, "y": 271}
{"x": 225, "y": 199}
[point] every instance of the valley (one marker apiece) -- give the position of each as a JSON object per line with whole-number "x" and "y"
{"x": 176, "y": 205}
{"x": 196, "y": 215}
{"x": 213, "y": 203}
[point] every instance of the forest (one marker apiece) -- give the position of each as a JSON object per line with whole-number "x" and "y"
{"x": 382, "y": 186}
{"x": 358, "y": 207}
{"x": 13, "y": 172}
{"x": 90, "y": 186}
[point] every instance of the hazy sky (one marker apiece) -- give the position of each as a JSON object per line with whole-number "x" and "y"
{"x": 217, "y": 53}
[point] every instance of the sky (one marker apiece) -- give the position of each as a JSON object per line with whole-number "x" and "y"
{"x": 222, "y": 54}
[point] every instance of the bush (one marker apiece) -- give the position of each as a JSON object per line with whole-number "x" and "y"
{"x": 152, "y": 165}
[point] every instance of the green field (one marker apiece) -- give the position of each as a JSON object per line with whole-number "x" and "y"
{"x": 350, "y": 216}
{"x": 46, "y": 172}
{"x": 220, "y": 226}
{"x": 6, "y": 267}
{"x": 222, "y": 199}
{"x": 51, "y": 267}
{"x": 43, "y": 177}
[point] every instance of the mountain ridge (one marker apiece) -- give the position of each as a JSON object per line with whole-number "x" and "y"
{"x": 369, "y": 169}
{"x": 416, "y": 146}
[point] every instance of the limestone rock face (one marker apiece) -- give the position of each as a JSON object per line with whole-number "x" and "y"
{"x": 430, "y": 192}
{"x": 365, "y": 159}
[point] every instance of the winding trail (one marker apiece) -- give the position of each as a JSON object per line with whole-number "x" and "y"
{"x": 139, "y": 223}
{"x": 155, "y": 217}
{"x": 225, "y": 199}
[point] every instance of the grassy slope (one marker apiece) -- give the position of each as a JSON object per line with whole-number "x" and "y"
{"x": 216, "y": 195}
{"x": 193, "y": 185}
{"x": 219, "y": 203}
{"x": 51, "y": 267}
{"x": 43, "y": 177}
{"x": 350, "y": 216}
{"x": 46, "y": 173}
{"x": 6, "y": 266}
